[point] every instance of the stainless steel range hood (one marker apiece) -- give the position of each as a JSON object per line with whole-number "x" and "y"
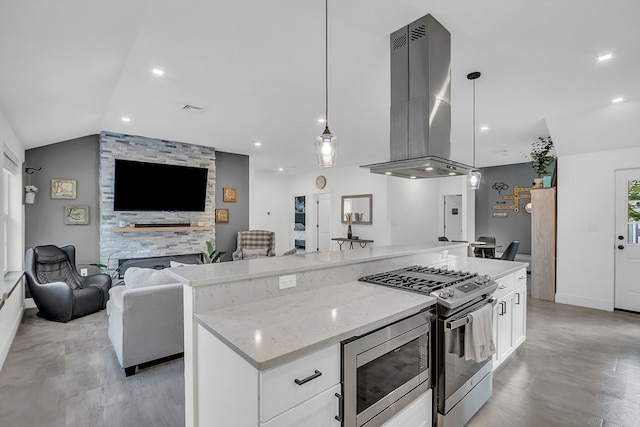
{"x": 420, "y": 103}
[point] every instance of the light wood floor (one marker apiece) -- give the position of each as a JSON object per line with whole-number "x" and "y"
{"x": 578, "y": 367}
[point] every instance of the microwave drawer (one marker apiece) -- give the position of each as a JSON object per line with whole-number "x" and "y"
{"x": 285, "y": 386}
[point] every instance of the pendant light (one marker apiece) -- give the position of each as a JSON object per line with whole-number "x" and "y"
{"x": 474, "y": 173}
{"x": 326, "y": 144}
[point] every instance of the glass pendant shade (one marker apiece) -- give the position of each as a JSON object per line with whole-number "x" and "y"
{"x": 474, "y": 179}
{"x": 327, "y": 148}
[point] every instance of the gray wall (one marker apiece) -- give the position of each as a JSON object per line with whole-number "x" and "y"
{"x": 517, "y": 225}
{"x": 44, "y": 220}
{"x": 232, "y": 170}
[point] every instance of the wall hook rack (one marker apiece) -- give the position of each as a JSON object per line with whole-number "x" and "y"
{"x": 32, "y": 170}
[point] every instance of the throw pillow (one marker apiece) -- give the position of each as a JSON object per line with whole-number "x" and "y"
{"x": 254, "y": 253}
{"x": 137, "y": 277}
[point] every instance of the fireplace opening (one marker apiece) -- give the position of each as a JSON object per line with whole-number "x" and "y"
{"x": 157, "y": 262}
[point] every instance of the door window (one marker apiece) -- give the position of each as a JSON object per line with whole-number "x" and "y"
{"x": 633, "y": 215}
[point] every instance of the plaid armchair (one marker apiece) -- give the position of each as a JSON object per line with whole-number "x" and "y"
{"x": 254, "y": 244}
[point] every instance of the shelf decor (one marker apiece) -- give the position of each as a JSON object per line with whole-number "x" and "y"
{"x": 63, "y": 188}
{"x": 542, "y": 156}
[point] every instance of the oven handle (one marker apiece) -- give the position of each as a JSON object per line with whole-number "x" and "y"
{"x": 455, "y": 324}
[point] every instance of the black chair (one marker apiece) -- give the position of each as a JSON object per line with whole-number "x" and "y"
{"x": 511, "y": 251}
{"x": 58, "y": 291}
{"x": 442, "y": 239}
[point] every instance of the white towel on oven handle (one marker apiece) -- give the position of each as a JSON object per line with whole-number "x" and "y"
{"x": 478, "y": 337}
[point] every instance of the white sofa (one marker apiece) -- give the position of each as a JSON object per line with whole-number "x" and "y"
{"x": 145, "y": 318}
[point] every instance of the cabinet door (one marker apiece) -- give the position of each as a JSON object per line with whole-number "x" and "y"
{"x": 319, "y": 411}
{"x": 519, "y": 308}
{"x": 505, "y": 315}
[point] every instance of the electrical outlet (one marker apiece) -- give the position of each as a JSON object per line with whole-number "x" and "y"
{"x": 287, "y": 281}
{"x": 445, "y": 254}
{"x": 83, "y": 272}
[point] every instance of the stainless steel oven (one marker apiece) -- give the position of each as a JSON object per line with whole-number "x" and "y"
{"x": 384, "y": 371}
{"x": 463, "y": 385}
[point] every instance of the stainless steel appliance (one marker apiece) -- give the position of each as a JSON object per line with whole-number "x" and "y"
{"x": 461, "y": 386}
{"x": 420, "y": 137}
{"x": 384, "y": 371}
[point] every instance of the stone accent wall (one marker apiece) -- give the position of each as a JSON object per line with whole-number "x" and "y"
{"x": 114, "y": 246}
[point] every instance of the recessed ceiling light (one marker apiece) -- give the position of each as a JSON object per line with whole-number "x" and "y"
{"x": 321, "y": 120}
{"x": 412, "y": 177}
{"x": 617, "y": 100}
{"x": 387, "y": 173}
{"x": 280, "y": 169}
{"x": 157, "y": 72}
{"x": 452, "y": 173}
{"x": 484, "y": 128}
{"x": 606, "y": 57}
{"x": 428, "y": 169}
{"x": 257, "y": 144}
{"x": 126, "y": 119}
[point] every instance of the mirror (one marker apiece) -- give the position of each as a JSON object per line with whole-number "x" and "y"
{"x": 360, "y": 207}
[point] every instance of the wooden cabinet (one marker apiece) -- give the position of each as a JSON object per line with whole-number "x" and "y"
{"x": 509, "y": 314}
{"x": 543, "y": 243}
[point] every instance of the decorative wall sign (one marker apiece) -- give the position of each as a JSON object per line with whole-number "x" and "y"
{"x": 499, "y": 186}
{"x": 229, "y": 194}
{"x": 222, "y": 215}
{"x": 500, "y": 214}
{"x": 518, "y": 194}
{"x": 63, "y": 188}
{"x": 76, "y": 214}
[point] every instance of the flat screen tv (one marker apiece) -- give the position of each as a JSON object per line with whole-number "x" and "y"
{"x": 143, "y": 186}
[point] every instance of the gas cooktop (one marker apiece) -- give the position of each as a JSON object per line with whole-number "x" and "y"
{"x": 451, "y": 288}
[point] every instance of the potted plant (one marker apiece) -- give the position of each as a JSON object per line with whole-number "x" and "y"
{"x": 30, "y": 192}
{"x": 212, "y": 255}
{"x": 541, "y": 157}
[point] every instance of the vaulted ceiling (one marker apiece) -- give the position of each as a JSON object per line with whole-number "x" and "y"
{"x": 257, "y": 68}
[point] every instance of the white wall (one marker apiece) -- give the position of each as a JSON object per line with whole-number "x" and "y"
{"x": 404, "y": 211}
{"x": 586, "y": 226}
{"x": 13, "y": 308}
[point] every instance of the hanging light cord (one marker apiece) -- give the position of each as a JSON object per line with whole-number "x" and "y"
{"x": 326, "y": 64}
{"x": 474, "y": 123}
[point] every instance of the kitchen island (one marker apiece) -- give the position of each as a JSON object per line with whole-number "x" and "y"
{"x": 244, "y": 325}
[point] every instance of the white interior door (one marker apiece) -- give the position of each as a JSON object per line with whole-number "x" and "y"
{"x": 453, "y": 216}
{"x": 323, "y": 221}
{"x": 627, "y": 240}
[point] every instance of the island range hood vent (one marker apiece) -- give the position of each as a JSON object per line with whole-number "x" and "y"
{"x": 420, "y": 103}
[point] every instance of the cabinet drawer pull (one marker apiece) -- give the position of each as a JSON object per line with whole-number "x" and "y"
{"x": 503, "y": 306}
{"x": 340, "y": 415}
{"x": 315, "y": 374}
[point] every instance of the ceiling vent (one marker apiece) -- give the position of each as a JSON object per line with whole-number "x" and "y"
{"x": 192, "y": 109}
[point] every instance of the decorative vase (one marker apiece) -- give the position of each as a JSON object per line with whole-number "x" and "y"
{"x": 29, "y": 198}
{"x": 537, "y": 183}
{"x": 546, "y": 181}
{"x": 349, "y": 232}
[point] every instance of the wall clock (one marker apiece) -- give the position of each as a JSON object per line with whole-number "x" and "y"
{"x": 321, "y": 181}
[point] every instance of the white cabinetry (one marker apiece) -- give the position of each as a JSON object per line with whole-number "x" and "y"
{"x": 417, "y": 414}
{"x": 509, "y": 314}
{"x": 233, "y": 393}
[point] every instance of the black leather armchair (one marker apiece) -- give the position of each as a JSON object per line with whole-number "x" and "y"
{"x": 58, "y": 291}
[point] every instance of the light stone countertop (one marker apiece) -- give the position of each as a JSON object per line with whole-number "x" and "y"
{"x": 207, "y": 274}
{"x": 277, "y": 330}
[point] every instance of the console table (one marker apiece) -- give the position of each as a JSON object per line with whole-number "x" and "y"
{"x": 342, "y": 240}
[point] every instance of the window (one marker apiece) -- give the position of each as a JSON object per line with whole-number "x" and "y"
{"x": 5, "y": 216}
{"x": 633, "y": 217}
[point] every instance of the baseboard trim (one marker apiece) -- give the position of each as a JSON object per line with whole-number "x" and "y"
{"x": 598, "y": 304}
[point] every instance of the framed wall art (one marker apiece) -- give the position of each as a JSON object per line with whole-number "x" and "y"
{"x": 222, "y": 215}
{"x": 229, "y": 194}
{"x": 76, "y": 214}
{"x": 63, "y": 188}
